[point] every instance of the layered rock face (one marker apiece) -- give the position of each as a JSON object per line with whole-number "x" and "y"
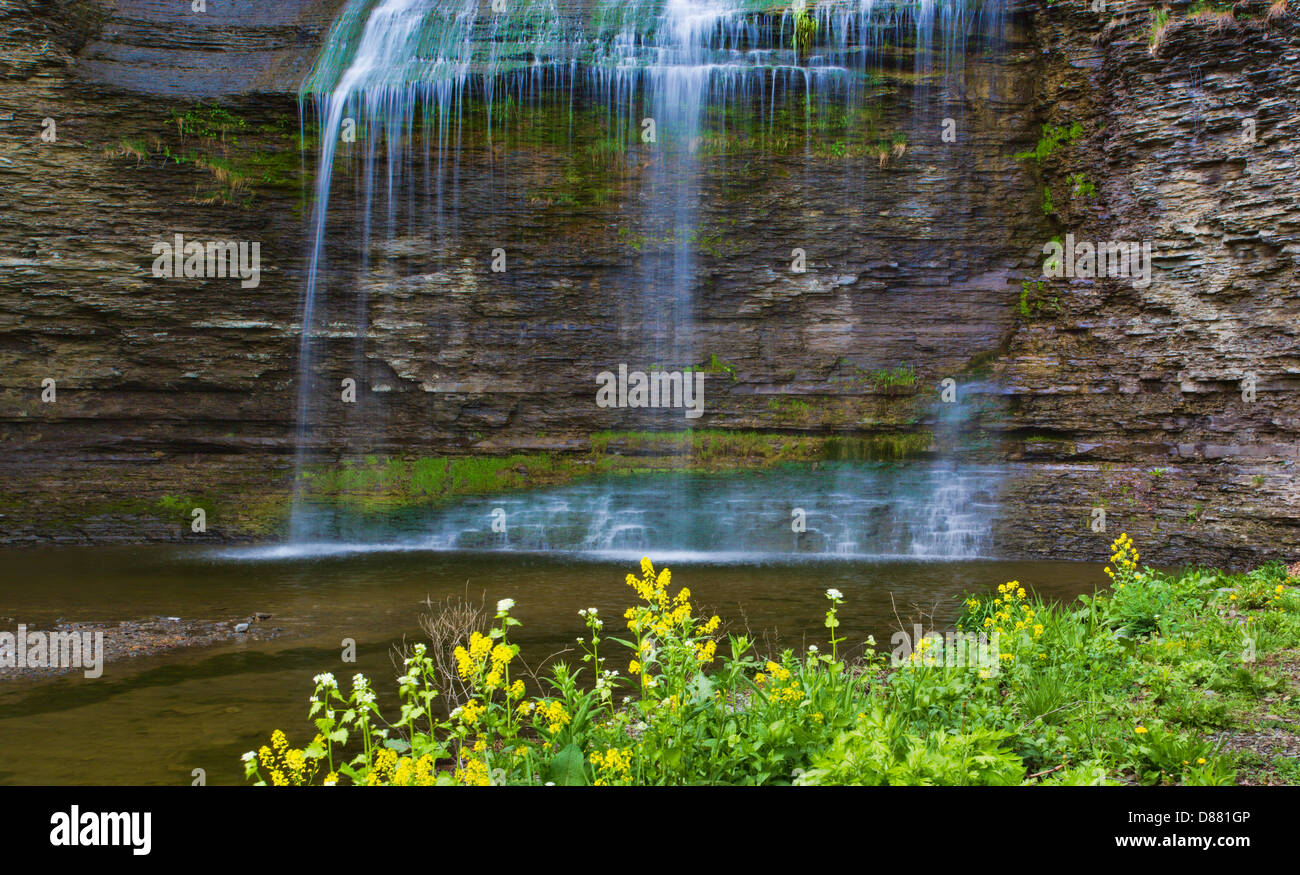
{"x": 194, "y": 50}
{"x": 162, "y": 389}
{"x": 1172, "y": 405}
{"x": 1100, "y": 394}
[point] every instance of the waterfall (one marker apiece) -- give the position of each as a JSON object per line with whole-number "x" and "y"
{"x": 844, "y": 510}
{"x": 401, "y": 72}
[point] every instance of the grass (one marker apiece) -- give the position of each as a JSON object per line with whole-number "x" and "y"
{"x": 715, "y": 365}
{"x": 879, "y": 448}
{"x": 893, "y": 381}
{"x": 890, "y": 382}
{"x": 239, "y": 161}
{"x": 1160, "y": 22}
{"x": 394, "y": 480}
{"x": 1047, "y": 440}
{"x": 1219, "y": 15}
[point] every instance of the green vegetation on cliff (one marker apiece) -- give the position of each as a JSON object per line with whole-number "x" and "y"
{"x": 239, "y": 160}
{"x": 375, "y": 483}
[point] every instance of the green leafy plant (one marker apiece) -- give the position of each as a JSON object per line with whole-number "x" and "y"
{"x": 1052, "y": 139}
{"x": 1110, "y": 689}
{"x": 805, "y": 30}
{"x": 1081, "y": 186}
{"x": 1034, "y": 300}
{"x": 881, "y": 751}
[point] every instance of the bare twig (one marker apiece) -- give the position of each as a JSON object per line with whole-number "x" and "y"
{"x": 1034, "y": 720}
{"x": 1045, "y": 773}
{"x": 449, "y": 624}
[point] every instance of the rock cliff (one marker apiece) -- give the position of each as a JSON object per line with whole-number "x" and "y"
{"x": 1096, "y": 392}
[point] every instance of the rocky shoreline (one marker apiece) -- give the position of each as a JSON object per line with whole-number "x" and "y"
{"x": 152, "y": 636}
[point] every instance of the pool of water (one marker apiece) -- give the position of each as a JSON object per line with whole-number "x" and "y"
{"x": 153, "y": 720}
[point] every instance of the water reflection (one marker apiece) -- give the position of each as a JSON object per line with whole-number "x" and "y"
{"x": 155, "y": 719}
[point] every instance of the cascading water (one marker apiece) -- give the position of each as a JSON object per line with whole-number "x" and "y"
{"x": 846, "y": 510}
{"x": 671, "y": 78}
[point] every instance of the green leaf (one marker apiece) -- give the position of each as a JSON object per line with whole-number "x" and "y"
{"x": 701, "y": 688}
{"x": 567, "y": 768}
{"x": 673, "y": 757}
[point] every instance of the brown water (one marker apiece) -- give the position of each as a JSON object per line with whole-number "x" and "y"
{"x": 153, "y": 720}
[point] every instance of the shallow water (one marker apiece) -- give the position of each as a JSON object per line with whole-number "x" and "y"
{"x": 152, "y": 720}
